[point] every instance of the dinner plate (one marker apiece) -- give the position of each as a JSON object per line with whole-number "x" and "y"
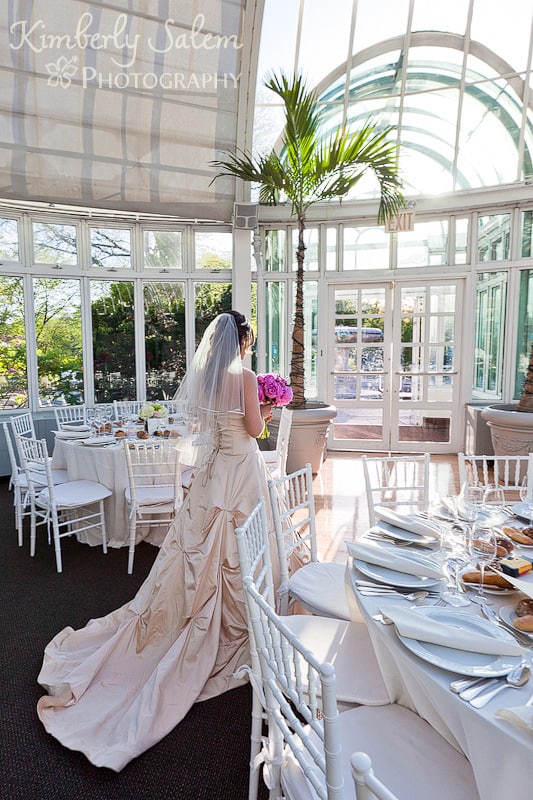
{"x": 392, "y": 577}
{"x": 100, "y": 441}
{"x": 400, "y": 533}
{"x": 518, "y": 527}
{"x": 462, "y": 661}
{"x": 521, "y": 510}
{"x": 508, "y": 614}
{"x": 486, "y": 589}
{"x": 72, "y": 434}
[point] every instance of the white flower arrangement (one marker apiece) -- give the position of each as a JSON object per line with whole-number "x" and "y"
{"x": 153, "y": 410}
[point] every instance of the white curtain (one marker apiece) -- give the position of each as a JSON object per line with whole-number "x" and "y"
{"x": 120, "y": 104}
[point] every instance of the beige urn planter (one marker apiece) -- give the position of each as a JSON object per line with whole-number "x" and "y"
{"x": 309, "y": 431}
{"x": 511, "y": 430}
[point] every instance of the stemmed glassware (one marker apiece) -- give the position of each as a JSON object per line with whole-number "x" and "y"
{"x": 482, "y": 547}
{"x": 526, "y": 496}
{"x": 454, "y": 548}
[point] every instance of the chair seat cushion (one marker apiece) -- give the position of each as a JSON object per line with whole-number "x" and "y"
{"x": 320, "y": 588}
{"x": 75, "y": 493}
{"x": 346, "y": 645}
{"x": 408, "y": 756}
{"x": 152, "y": 496}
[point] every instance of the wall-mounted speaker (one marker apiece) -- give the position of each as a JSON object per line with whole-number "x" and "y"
{"x": 245, "y": 216}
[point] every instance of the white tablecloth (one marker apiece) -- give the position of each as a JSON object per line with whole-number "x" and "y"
{"x": 500, "y": 753}
{"x": 106, "y": 465}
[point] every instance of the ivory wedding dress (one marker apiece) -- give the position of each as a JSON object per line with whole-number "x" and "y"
{"x": 119, "y": 685}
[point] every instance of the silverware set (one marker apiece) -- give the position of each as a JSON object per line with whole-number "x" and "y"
{"x": 480, "y": 691}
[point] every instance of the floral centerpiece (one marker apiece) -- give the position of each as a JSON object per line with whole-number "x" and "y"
{"x": 273, "y": 389}
{"x": 152, "y": 411}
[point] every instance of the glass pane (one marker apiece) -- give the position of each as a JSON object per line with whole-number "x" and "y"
{"x": 526, "y": 250}
{"x": 491, "y": 296}
{"x": 213, "y": 250}
{"x": 365, "y": 248}
{"x": 461, "y": 241}
{"x": 311, "y": 252}
{"x": 358, "y": 423}
{"x": 54, "y": 244}
{"x": 112, "y": 312}
{"x": 525, "y": 330}
{"x": 163, "y": 250}
{"x": 111, "y": 248}
{"x": 164, "y": 338}
{"x": 493, "y": 237}
{"x": 331, "y": 248}
{"x": 9, "y": 240}
{"x": 415, "y": 426}
{"x": 427, "y": 245}
{"x": 210, "y": 299}
{"x": 276, "y": 334}
{"x": 275, "y": 251}
{"x": 57, "y": 306}
{"x": 13, "y": 368}
{"x": 310, "y": 338}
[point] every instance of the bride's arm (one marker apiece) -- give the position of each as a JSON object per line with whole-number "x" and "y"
{"x": 254, "y": 414}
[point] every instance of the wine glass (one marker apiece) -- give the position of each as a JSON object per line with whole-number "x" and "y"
{"x": 454, "y": 549}
{"x": 526, "y": 496}
{"x": 482, "y": 546}
{"x": 493, "y": 504}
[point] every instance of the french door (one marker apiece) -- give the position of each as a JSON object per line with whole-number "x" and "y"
{"x": 394, "y": 356}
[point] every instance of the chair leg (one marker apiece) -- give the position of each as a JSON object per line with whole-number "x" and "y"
{"x": 102, "y": 526}
{"x": 255, "y": 745}
{"x": 57, "y": 542}
{"x": 18, "y": 513}
{"x": 131, "y": 549}
{"x": 33, "y": 527}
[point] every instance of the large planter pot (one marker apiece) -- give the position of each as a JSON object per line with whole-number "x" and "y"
{"x": 307, "y": 443}
{"x": 511, "y": 430}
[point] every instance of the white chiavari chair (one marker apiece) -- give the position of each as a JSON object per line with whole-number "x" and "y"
{"x": 68, "y": 417}
{"x": 276, "y": 460}
{"x": 399, "y": 482}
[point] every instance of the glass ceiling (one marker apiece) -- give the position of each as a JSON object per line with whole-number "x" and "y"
{"x": 124, "y": 104}
{"x": 453, "y": 79}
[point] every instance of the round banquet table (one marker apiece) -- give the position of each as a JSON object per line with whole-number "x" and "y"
{"x": 501, "y": 753}
{"x": 106, "y": 465}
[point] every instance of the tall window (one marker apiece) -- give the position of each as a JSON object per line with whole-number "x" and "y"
{"x": 491, "y": 295}
{"x": 113, "y": 327}
{"x": 13, "y": 369}
{"x": 164, "y": 338}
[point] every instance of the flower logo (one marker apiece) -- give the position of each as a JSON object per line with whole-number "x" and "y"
{"x": 62, "y": 71}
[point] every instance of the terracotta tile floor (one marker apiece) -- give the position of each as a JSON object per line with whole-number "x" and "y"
{"x": 340, "y": 499}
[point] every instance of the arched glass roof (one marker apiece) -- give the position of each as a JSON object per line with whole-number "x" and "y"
{"x": 458, "y": 96}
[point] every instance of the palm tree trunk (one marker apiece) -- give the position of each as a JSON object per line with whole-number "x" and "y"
{"x": 297, "y": 357}
{"x": 526, "y": 398}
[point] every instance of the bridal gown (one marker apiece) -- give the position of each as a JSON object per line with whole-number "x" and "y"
{"x": 120, "y": 684}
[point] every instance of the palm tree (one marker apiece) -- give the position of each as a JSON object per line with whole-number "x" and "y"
{"x": 308, "y": 170}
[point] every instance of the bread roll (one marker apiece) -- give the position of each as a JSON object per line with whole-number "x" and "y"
{"x": 489, "y": 579}
{"x": 524, "y": 607}
{"x": 517, "y": 535}
{"x": 524, "y": 623}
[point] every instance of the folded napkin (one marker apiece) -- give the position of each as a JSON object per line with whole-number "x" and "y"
{"x": 64, "y": 434}
{"x": 71, "y": 426}
{"x": 409, "y": 522}
{"x": 411, "y": 564}
{"x": 413, "y": 625}
{"x": 518, "y": 715}
{"x": 524, "y": 584}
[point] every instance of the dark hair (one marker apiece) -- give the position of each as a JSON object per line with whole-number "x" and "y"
{"x": 244, "y": 329}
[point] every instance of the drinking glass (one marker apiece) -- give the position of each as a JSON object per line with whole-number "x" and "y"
{"x": 454, "y": 549}
{"x": 526, "y": 496}
{"x": 481, "y": 546}
{"x": 493, "y": 505}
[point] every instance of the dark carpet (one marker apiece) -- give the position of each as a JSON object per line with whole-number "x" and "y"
{"x": 204, "y": 758}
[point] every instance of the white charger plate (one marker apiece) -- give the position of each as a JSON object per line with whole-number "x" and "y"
{"x": 100, "y": 441}
{"x": 462, "y": 661}
{"x": 392, "y": 577}
{"x": 508, "y": 614}
{"x": 518, "y": 527}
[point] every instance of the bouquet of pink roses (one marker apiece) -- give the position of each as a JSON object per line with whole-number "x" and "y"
{"x": 272, "y": 388}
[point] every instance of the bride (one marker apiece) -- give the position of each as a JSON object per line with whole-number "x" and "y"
{"x": 119, "y": 685}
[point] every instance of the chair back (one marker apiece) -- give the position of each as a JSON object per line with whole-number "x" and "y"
{"x": 301, "y": 702}
{"x": 367, "y": 786}
{"x": 253, "y": 547}
{"x": 35, "y": 460}
{"x": 152, "y": 466}
{"x": 282, "y": 442}
{"x": 504, "y": 471}
{"x": 293, "y": 510}
{"x": 396, "y": 482}
{"x": 68, "y": 415}
{"x": 15, "y": 469}
{"x": 23, "y": 425}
